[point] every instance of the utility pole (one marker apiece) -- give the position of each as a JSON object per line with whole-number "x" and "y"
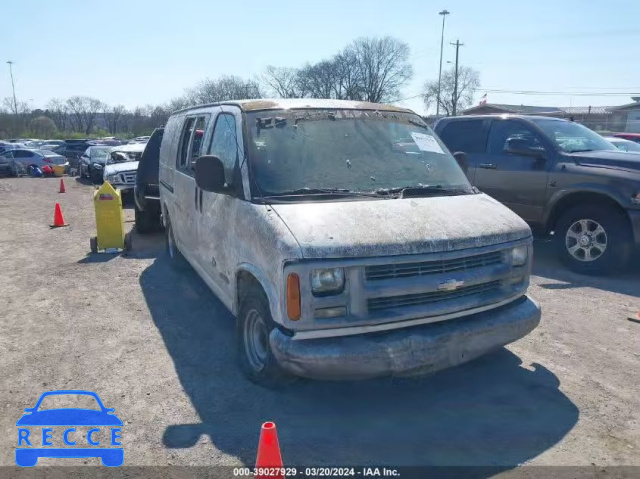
{"x": 454, "y": 100}
{"x": 444, "y": 14}
{"x": 13, "y": 87}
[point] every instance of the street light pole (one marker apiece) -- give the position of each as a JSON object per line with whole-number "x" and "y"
{"x": 13, "y": 87}
{"x": 454, "y": 100}
{"x": 444, "y": 14}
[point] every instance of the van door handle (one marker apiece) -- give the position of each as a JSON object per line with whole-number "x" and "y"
{"x": 201, "y": 201}
{"x": 195, "y": 198}
{"x": 488, "y": 166}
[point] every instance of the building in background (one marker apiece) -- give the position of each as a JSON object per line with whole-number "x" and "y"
{"x": 620, "y": 118}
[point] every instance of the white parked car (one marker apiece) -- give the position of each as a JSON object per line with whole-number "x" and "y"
{"x": 122, "y": 166}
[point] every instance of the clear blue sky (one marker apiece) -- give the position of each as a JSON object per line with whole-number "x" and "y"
{"x": 141, "y": 51}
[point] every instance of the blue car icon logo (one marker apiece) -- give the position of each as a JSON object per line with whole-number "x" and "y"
{"x": 28, "y": 452}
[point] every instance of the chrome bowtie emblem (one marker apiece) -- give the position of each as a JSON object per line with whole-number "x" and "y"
{"x": 450, "y": 285}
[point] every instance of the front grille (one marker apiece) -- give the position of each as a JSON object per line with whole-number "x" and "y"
{"x": 404, "y": 270}
{"x": 389, "y": 302}
{"x": 128, "y": 178}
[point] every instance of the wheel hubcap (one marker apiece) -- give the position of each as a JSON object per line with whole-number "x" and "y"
{"x": 586, "y": 240}
{"x": 256, "y": 341}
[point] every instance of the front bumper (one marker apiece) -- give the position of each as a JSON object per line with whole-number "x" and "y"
{"x": 634, "y": 217}
{"x": 409, "y": 351}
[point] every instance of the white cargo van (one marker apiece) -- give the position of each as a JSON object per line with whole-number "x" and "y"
{"x": 344, "y": 238}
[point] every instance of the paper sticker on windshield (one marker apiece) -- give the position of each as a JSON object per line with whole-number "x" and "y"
{"x": 426, "y": 143}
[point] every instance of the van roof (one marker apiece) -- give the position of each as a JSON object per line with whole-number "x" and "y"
{"x": 301, "y": 103}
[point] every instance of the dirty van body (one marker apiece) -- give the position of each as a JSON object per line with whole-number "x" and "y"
{"x": 344, "y": 238}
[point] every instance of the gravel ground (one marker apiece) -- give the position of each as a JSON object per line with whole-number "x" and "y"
{"x": 157, "y": 346}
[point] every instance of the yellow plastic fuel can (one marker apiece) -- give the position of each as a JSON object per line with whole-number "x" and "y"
{"x": 107, "y": 202}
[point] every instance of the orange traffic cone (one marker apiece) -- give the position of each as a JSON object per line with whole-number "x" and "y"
{"x": 635, "y": 318}
{"x": 62, "y": 190}
{"x": 269, "y": 457}
{"x": 58, "y": 219}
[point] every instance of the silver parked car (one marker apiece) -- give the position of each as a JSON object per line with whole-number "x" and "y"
{"x": 39, "y": 158}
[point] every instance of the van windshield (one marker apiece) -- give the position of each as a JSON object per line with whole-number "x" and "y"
{"x": 358, "y": 151}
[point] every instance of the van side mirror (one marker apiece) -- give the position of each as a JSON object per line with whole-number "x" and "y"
{"x": 210, "y": 174}
{"x": 462, "y": 159}
{"x": 519, "y": 146}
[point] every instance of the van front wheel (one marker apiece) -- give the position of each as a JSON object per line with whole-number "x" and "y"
{"x": 254, "y": 326}
{"x": 176, "y": 259}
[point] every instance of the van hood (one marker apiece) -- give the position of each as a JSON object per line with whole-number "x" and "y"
{"x": 119, "y": 167}
{"x": 356, "y": 229}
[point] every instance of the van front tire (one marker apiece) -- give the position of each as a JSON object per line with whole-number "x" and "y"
{"x": 176, "y": 260}
{"x": 254, "y": 325}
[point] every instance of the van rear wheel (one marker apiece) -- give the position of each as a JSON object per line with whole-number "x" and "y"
{"x": 254, "y": 326}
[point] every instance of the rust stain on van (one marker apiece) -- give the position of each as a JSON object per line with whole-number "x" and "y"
{"x": 259, "y": 105}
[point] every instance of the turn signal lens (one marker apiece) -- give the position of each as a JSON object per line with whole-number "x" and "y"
{"x": 293, "y": 297}
{"x": 519, "y": 255}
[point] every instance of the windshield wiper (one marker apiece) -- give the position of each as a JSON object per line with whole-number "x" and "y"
{"x": 415, "y": 190}
{"x": 317, "y": 191}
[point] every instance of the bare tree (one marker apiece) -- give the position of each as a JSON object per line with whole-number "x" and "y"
{"x": 468, "y": 83}
{"x": 224, "y": 88}
{"x": 84, "y": 110}
{"x": 348, "y": 76}
{"x": 57, "y": 110}
{"x": 383, "y": 65}
{"x": 42, "y": 125}
{"x": 372, "y": 69}
{"x": 19, "y": 114}
{"x": 158, "y": 115}
{"x": 113, "y": 116}
{"x": 319, "y": 80}
{"x": 284, "y": 81}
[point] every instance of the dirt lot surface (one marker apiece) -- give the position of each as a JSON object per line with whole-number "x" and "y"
{"x": 157, "y": 346}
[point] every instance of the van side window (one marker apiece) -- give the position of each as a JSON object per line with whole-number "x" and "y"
{"x": 191, "y": 143}
{"x": 224, "y": 143}
{"x": 184, "y": 143}
{"x": 469, "y": 136}
{"x": 196, "y": 141}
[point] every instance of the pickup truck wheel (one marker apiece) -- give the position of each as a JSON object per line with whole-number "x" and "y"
{"x": 176, "y": 259}
{"x": 254, "y": 325}
{"x": 593, "y": 239}
{"x": 147, "y": 221}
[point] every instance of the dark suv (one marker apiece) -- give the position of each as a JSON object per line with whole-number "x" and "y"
{"x": 146, "y": 191}
{"x": 559, "y": 176}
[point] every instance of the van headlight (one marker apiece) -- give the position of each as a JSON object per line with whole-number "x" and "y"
{"x": 519, "y": 255}
{"x": 327, "y": 280}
